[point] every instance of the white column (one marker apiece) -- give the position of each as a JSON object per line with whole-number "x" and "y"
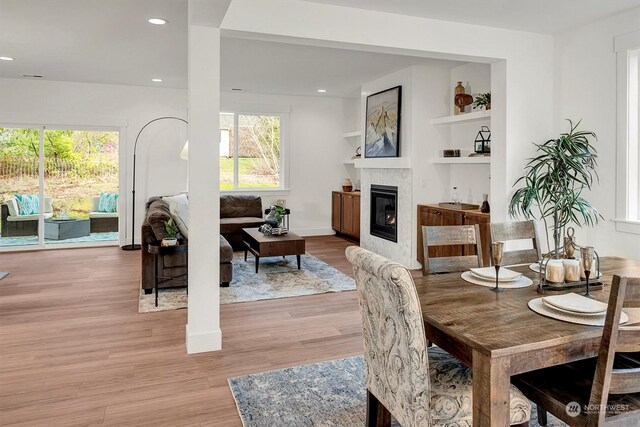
{"x": 203, "y": 327}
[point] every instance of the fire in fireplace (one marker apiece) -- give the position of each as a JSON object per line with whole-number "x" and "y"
{"x": 383, "y": 212}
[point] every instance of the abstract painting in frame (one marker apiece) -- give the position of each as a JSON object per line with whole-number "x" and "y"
{"x": 382, "y": 127}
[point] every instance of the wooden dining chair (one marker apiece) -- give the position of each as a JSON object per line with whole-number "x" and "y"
{"x": 451, "y": 236}
{"x": 600, "y": 391}
{"x": 506, "y": 231}
{"x": 403, "y": 379}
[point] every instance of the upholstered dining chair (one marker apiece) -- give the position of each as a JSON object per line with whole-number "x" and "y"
{"x": 448, "y": 236}
{"x": 608, "y": 387}
{"x": 403, "y": 379}
{"x": 521, "y": 230}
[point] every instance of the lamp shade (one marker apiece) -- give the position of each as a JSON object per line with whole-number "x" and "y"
{"x": 184, "y": 154}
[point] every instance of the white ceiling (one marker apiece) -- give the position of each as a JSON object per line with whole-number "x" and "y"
{"x": 110, "y": 41}
{"x": 538, "y": 16}
{"x": 269, "y": 67}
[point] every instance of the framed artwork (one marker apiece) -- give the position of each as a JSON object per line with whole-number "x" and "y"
{"x": 382, "y": 127}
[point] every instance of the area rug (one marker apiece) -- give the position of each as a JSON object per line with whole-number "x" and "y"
{"x": 276, "y": 278}
{"x": 326, "y": 394}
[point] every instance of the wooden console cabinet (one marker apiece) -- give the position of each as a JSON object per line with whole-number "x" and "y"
{"x": 345, "y": 213}
{"x": 433, "y": 215}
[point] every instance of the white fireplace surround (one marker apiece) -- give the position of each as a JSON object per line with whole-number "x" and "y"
{"x": 401, "y": 178}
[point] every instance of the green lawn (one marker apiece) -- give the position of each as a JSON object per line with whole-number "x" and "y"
{"x": 246, "y": 166}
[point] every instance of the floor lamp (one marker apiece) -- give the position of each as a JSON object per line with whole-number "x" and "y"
{"x": 133, "y": 246}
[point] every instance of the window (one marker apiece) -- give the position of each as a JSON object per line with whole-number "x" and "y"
{"x": 252, "y": 151}
{"x": 628, "y": 140}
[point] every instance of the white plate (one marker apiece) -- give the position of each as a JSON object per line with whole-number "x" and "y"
{"x": 576, "y": 303}
{"x": 492, "y": 279}
{"x": 489, "y": 273}
{"x": 573, "y": 313}
{"x": 520, "y": 282}
{"x": 539, "y": 307}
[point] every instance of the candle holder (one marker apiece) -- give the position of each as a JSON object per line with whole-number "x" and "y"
{"x": 570, "y": 248}
{"x": 497, "y": 249}
{"x": 587, "y": 260}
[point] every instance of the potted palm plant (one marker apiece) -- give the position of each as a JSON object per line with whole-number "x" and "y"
{"x": 554, "y": 181}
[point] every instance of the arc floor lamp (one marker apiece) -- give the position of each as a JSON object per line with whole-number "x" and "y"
{"x": 133, "y": 246}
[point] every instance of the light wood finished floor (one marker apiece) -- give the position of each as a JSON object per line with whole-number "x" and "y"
{"x": 75, "y": 351}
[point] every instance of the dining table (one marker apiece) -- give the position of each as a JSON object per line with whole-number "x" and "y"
{"x": 498, "y": 336}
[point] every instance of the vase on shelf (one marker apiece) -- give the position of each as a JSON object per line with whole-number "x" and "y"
{"x": 347, "y": 185}
{"x": 485, "y": 208}
{"x": 459, "y": 90}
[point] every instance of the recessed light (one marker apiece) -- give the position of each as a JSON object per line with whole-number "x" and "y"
{"x": 33, "y": 76}
{"x": 6, "y": 58}
{"x": 322, "y": 90}
{"x": 156, "y": 80}
{"x": 157, "y": 21}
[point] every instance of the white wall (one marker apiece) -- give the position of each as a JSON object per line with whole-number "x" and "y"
{"x": 317, "y": 149}
{"x": 85, "y": 104}
{"x": 316, "y": 154}
{"x": 472, "y": 180}
{"x": 586, "y": 89}
{"x": 521, "y": 64}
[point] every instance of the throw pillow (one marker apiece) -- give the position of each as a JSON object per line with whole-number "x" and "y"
{"x": 108, "y": 202}
{"x": 28, "y": 204}
{"x": 179, "y": 208}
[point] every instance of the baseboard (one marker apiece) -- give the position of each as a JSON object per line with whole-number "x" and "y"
{"x": 308, "y": 232}
{"x": 203, "y": 342}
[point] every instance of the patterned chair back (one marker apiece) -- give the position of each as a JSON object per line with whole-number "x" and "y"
{"x": 394, "y": 338}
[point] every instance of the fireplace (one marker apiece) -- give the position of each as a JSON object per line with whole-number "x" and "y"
{"x": 383, "y": 212}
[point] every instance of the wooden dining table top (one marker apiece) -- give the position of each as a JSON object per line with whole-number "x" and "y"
{"x": 499, "y": 324}
{"x": 499, "y": 336}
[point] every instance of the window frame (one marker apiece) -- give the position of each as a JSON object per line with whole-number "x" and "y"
{"x": 623, "y": 46}
{"x": 280, "y": 111}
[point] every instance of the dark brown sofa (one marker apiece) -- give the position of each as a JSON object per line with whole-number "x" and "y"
{"x": 157, "y": 212}
{"x": 236, "y": 213}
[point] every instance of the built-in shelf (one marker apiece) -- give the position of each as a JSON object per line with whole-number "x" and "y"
{"x": 352, "y": 134}
{"x": 463, "y": 160}
{"x": 468, "y": 117}
{"x": 349, "y": 161}
{"x": 383, "y": 163}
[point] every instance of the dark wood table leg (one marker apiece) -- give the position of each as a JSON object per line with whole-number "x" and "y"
{"x": 155, "y": 261}
{"x": 377, "y": 414}
{"x": 245, "y": 253}
{"x": 257, "y": 261}
{"x": 491, "y": 385}
{"x": 298, "y": 258}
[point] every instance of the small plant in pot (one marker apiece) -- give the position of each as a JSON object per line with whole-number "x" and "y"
{"x": 172, "y": 233}
{"x": 483, "y": 100}
{"x": 554, "y": 181}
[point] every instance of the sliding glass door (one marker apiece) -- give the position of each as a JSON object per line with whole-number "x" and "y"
{"x": 19, "y": 186}
{"x": 70, "y": 176}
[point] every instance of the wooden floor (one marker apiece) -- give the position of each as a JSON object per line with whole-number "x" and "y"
{"x": 75, "y": 351}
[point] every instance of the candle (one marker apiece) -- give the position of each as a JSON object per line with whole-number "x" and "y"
{"x": 555, "y": 271}
{"x": 571, "y": 270}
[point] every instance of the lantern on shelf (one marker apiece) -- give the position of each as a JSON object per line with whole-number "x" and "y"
{"x": 483, "y": 141}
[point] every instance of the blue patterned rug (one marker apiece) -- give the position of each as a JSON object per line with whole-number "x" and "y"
{"x": 326, "y": 394}
{"x": 276, "y": 278}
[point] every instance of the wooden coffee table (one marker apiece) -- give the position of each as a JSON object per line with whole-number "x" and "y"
{"x": 263, "y": 246}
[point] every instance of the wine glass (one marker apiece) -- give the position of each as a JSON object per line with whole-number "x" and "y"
{"x": 587, "y": 261}
{"x": 497, "y": 248}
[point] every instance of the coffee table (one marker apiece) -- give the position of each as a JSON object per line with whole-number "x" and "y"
{"x": 62, "y": 229}
{"x": 264, "y": 246}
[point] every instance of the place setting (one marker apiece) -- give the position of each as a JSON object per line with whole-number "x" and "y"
{"x": 495, "y": 277}
{"x": 574, "y": 308}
